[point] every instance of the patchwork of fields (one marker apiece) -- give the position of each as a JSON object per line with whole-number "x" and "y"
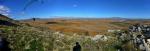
{"x": 90, "y": 27}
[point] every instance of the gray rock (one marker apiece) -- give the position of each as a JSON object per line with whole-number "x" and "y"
{"x": 100, "y": 37}
{"x": 142, "y": 47}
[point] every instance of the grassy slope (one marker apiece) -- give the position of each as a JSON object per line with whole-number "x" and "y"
{"x": 31, "y": 39}
{"x": 28, "y": 38}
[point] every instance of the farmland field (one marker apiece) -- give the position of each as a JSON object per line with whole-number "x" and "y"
{"x": 85, "y": 26}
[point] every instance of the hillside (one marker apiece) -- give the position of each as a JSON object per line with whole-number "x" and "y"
{"x": 4, "y": 20}
{"x": 2, "y": 17}
{"x": 92, "y": 27}
{"x": 33, "y": 38}
{"x": 85, "y": 26}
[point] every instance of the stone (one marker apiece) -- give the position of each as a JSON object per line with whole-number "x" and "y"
{"x": 100, "y": 37}
{"x": 142, "y": 47}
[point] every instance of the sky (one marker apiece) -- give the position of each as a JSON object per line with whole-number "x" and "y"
{"x": 24, "y": 9}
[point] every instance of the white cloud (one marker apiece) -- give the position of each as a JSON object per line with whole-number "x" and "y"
{"x": 4, "y": 10}
{"x": 75, "y": 5}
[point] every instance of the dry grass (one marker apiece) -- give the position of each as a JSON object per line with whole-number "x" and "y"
{"x": 93, "y": 27}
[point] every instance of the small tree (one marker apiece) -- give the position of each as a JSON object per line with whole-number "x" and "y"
{"x": 33, "y": 19}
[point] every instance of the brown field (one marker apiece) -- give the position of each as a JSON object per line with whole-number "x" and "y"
{"x": 88, "y": 27}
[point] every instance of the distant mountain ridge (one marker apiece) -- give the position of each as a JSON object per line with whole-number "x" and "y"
{"x": 74, "y": 18}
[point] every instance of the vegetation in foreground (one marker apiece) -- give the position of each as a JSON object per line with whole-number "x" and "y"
{"x": 23, "y": 37}
{"x": 31, "y": 39}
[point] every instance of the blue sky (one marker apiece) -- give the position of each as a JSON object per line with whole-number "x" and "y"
{"x": 78, "y": 8}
